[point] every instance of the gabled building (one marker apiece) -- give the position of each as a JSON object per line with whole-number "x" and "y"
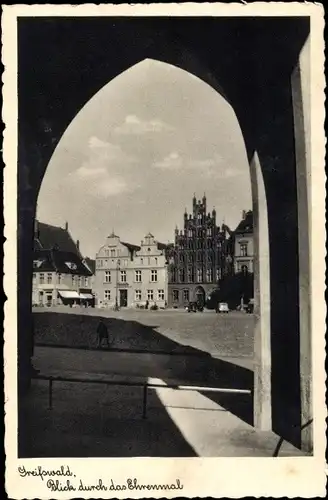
{"x": 60, "y": 274}
{"x": 244, "y": 244}
{"x": 129, "y": 275}
{"x": 199, "y": 257}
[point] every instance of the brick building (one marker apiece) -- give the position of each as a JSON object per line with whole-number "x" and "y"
{"x": 199, "y": 257}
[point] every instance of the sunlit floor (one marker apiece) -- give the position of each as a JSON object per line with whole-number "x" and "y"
{"x": 107, "y": 421}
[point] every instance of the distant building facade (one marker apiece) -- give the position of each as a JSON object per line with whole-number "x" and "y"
{"x": 129, "y": 275}
{"x": 60, "y": 274}
{"x": 244, "y": 244}
{"x": 199, "y": 256}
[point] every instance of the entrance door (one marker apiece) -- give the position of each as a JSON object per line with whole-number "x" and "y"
{"x": 49, "y": 300}
{"x": 123, "y": 298}
{"x": 200, "y": 296}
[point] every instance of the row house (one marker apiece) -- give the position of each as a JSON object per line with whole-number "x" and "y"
{"x": 128, "y": 275}
{"x": 60, "y": 274}
{"x": 199, "y": 257}
{"x": 244, "y": 244}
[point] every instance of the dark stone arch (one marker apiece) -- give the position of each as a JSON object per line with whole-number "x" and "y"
{"x": 64, "y": 62}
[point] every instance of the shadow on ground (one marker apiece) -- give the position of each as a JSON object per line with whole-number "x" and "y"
{"x": 117, "y": 436}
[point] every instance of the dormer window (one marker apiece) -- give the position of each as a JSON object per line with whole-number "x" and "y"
{"x": 71, "y": 265}
{"x": 38, "y": 263}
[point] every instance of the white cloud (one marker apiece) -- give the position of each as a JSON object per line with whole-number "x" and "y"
{"x": 90, "y": 172}
{"x": 171, "y": 162}
{"x": 102, "y": 170}
{"x": 211, "y": 167}
{"x": 133, "y": 125}
{"x": 112, "y": 186}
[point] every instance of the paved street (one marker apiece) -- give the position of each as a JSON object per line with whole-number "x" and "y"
{"x": 170, "y": 330}
{"x": 173, "y": 347}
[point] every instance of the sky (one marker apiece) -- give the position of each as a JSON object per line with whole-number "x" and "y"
{"x": 132, "y": 158}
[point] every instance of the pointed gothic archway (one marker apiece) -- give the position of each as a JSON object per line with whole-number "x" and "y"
{"x": 262, "y": 101}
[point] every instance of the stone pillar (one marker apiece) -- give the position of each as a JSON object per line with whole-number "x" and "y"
{"x": 301, "y": 105}
{"x": 262, "y": 346}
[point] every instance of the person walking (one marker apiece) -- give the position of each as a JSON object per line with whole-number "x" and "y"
{"x": 102, "y": 334}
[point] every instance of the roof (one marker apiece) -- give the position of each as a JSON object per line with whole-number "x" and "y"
{"x": 245, "y": 225}
{"x": 48, "y": 237}
{"x": 55, "y": 260}
{"x": 163, "y": 246}
{"x": 91, "y": 264}
{"x": 132, "y": 248}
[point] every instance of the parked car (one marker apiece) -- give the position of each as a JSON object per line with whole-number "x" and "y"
{"x": 250, "y": 307}
{"x": 222, "y": 307}
{"x": 194, "y": 307}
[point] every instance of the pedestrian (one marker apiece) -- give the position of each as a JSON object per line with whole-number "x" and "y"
{"x": 102, "y": 334}
{"x": 147, "y": 304}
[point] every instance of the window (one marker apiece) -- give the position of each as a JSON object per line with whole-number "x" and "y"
{"x": 107, "y": 277}
{"x": 218, "y": 274}
{"x": 73, "y": 266}
{"x": 73, "y": 280}
{"x": 243, "y": 249}
{"x": 138, "y": 276}
{"x": 86, "y": 281}
{"x": 123, "y": 276}
{"x": 150, "y": 294}
{"x": 209, "y": 275}
{"x": 199, "y": 256}
{"x": 100, "y": 263}
{"x": 209, "y": 231}
{"x": 190, "y": 275}
{"x": 49, "y": 278}
{"x": 190, "y": 233}
{"x": 181, "y": 275}
{"x": 34, "y": 278}
{"x": 186, "y": 295}
{"x": 59, "y": 278}
{"x": 107, "y": 294}
{"x": 175, "y": 295}
{"x": 79, "y": 280}
{"x": 199, "y": 275}
{"x": 112, "y": 253}
{"x": 41, "y": 278}
{"x": 153, "y": 275}
{"x": 138, "y": 294}
{"x": 161, "y": 295}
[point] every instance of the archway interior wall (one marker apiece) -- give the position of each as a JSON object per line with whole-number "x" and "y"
{"x": 276, "y": 151}
{"x": 301, "y": 104}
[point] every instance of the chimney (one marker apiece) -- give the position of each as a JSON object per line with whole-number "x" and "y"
{"x": 243, "y": 215}
{"x": 66, "y": 226}
{"x": 78, "y": 244}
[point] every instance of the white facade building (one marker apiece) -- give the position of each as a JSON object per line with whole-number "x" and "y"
{"x": 130, "y": 275}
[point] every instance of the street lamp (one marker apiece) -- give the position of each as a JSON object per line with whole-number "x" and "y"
{"x": 116, "y": 308}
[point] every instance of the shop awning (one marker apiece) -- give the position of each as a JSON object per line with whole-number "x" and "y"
{"x": 86, "y": 296}
{"x": 68, "y": 294}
